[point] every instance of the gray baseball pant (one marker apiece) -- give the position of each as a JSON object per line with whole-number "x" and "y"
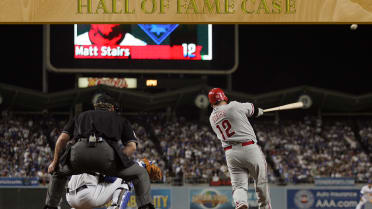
{"x": 243, "y": 161}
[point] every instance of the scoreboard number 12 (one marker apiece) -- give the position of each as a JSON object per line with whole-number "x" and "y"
{"x": 189, "y": 50}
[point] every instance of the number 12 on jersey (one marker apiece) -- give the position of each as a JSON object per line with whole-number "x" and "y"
{"x": 227, "y": 128}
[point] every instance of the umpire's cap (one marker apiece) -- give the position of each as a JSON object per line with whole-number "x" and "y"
{"x": 104, "y": 98}
{"x": 105, "y": 101}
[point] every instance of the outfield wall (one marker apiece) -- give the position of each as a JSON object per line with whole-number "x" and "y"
{"x": 205, "y": 197}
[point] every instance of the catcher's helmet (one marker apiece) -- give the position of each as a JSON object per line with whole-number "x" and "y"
{"x": 215, "y": 95}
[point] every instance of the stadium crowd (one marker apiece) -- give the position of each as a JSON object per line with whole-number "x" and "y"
{"x": 304, "y": 150}
{"x": 25, "y": 149}
{"x": 365, "y": 132}
{"x": 189, "y": 151}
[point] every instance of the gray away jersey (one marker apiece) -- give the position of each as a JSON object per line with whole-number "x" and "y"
{"x": 230, "y": 123}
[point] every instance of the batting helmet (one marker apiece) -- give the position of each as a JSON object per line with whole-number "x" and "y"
{"x": 215, "y": 95}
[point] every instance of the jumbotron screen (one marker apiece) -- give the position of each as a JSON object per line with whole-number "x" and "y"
{"x": 143, "y": 41}
{"x": 141, "y": 48}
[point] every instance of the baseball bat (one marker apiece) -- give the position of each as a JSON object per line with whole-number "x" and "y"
{"x": 295, "y": 105}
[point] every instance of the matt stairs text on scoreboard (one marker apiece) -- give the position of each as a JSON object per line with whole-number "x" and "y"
{"x": 102, "y": 52}
{"x": 187, "y": 7}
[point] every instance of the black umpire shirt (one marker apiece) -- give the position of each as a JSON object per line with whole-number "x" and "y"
{"x": 108, "y": 125}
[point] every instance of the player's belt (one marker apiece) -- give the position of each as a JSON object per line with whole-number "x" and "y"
{"x": 99, "y": 139}
{"x": 243, "y": 144}
{"x": 78, "y": 189}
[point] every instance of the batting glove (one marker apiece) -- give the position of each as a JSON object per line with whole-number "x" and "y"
{"x": 260, "y": 112}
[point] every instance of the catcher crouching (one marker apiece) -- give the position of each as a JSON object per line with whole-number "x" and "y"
{"x": 87, "y": 191}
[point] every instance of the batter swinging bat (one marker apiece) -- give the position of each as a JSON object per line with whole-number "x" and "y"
{"x": 295, "y": 105}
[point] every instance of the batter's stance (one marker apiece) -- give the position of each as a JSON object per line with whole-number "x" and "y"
{"x": 244, "y": 157}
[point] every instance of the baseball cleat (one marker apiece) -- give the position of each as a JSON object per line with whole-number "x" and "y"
{"x": 241, "y": 206}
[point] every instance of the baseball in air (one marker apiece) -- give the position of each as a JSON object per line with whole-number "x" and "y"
{"x": 354, "y": 26}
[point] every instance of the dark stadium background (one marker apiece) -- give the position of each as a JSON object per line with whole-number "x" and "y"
{"x": 272, "y": 57}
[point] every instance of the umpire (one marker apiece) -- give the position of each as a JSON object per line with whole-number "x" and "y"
{"x": 98, "y": 134}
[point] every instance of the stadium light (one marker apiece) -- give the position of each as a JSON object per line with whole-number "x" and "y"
{"x": 85, "y": 82}
{"x": 201, "y": 101}
{"x": 151, "y": 83}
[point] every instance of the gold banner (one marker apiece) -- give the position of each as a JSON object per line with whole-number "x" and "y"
{"x": 186, "y": 11}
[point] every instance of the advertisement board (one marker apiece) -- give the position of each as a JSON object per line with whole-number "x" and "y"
{"x": 334, "y": 181}
{"x": 85, "y": 82}
{"x": 161, "y": 199}
{"x": 217, "y": 198}
{"x": 322, "y": 198}
{"x": 19, "y": 181}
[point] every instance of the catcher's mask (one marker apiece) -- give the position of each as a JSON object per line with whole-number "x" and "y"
{"x": 106, "y": 102}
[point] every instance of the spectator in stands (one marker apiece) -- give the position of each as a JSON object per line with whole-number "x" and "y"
{"x": 301, "y": 149}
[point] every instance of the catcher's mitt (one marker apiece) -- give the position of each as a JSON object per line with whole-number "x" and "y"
{"x": 153, "y": 170}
